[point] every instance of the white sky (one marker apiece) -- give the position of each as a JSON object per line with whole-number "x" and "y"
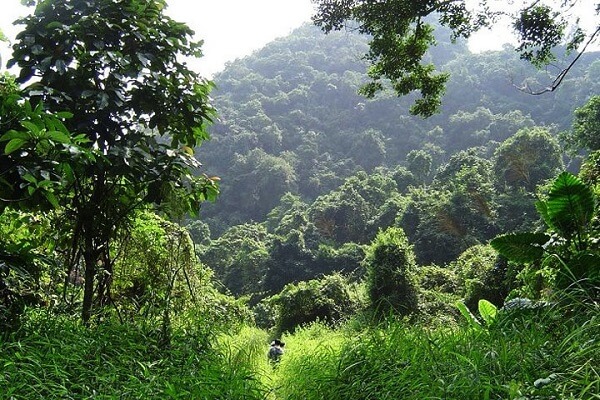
{"x": 233, "y": 28}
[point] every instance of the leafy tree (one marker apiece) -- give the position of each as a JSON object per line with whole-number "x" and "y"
{"x": 457, "y": 212}
{"x": 419, "y": 163}
{"x": 370, "y": 150}
{"x": 390, "y": 265}
{"x": 284, "y": 217}
{"x": 401, "y": 33}
{"x": 344, "y": 214}
{"x": 239, "y": 257}
{"x": 590, "y": 170}
{"x": 483, "y": 275}
{"x": 586, "y": 126}
{"x": 259, "y": 180}
{"x": 156, "y": 271}
{"x": 346, "y": 259}
{"x": 341, "y": 216}
{"x": 527, "y": 159}
{"x": 37, "y": 153}
{"x": 404, "y": 179}
{"x": 115, "y": 66}
{"x": 290, "y": 261}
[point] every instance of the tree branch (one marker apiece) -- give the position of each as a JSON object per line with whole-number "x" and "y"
{"x": 559, "y": 78}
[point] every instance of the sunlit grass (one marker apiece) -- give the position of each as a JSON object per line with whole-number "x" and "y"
{"x": 546, "y": 353}
{"x": 541, "y": 354}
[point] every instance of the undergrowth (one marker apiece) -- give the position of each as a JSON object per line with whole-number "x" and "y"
{"x": 550, "y": 352}
{"x": 58, "y": 358}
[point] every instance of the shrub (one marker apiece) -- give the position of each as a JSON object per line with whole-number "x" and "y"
{"x": 390, "y": 264}
{"x": 484, "y": 276}
{"x": 328, "y": 299}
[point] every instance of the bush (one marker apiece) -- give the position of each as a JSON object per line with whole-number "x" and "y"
{"x": 484, "y": 274}
{"x": 390, "y": 263}
{"x": 328, "y": 299}
{"x": 438, "y": 292}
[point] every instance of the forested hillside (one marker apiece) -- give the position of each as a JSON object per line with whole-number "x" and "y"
{"x": 311, "y": 171}
{"x": 291, "y": 119}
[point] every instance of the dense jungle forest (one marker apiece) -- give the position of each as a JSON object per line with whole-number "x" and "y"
{"x": 430, "y": 238}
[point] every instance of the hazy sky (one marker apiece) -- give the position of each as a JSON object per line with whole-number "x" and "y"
{"x": 233, "y": 28}
{"x": 230, "y": 28}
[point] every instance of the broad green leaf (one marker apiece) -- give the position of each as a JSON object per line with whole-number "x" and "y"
{"x": 570, "y": 205}
{"x": 30, "y": 178}
{"x": 521, "y": 247}
{"x": 12, "y": 134}
{"x": 473, "y": 322}
{"x": 14, "y": 145}
{"x": 487, "y": 311}
{"x": 31, "y": 127}
{"x": 542, "y": 209}
{"x": 68, "y": 171}
{"x": 64, "y": 114}
{"x": 51, "y": 199}
{"x": 54, "y": 25}
{"x": 59, "y": 137}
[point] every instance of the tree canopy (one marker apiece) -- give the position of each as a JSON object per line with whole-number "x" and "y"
{"x": 402, "y": 32}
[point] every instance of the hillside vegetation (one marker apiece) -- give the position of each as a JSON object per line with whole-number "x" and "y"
{"x": 453, "y": 257}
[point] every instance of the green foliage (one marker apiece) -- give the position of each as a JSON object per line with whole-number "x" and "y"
{"x": 523, "y": 247}
{"x": 419, "y": 163}
{"x": 56, "y": 357}
{"x": 390, "y": 264}
{"x": 570, "y": 254}
{"x": 488, "y": 311}
{"x": 438, "y": 291}
{"x": 401, "y": 33}
{"x": 569, "y": 208}
{"x": 483, "y": 275}
{"x": 527, "y": 159}
{"x": 469, "y": 317}
{"x": 543, "y": 357}
{"x": 539, "y": 31}
{"x": 27, "y": 268}
{"x": 457, "y": 212}
{"x": 115, "y": 67}
{"x": 156, "y": 270}
{"x": 239, "y": 257}
{"x": 259, "y": 181}
{"x": 346, "y": 259}
{"x": 590, "y": 171}
{"x": 290, "y": 261}
{"x": 329, "y": 300}
{"x": 273, "y": 120}
{"x": 37, "y": 153}
{"x": 586, "y": 125}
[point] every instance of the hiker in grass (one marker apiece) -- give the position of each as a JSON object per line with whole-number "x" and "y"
{"x": 276, "y": 350}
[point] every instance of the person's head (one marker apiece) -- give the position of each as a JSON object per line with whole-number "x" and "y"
{"x": 277, "y": 342}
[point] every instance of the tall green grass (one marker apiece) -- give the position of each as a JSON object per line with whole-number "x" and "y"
{"x": 58, "y": 358}
{"x": 550, "y": 353}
